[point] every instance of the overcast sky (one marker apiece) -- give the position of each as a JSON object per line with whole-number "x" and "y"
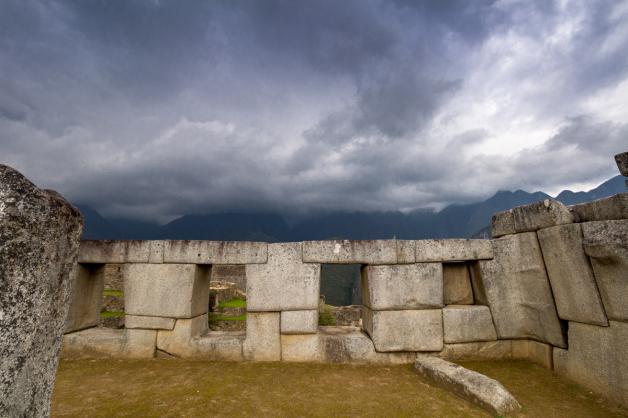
{"x": 153, "y": 109}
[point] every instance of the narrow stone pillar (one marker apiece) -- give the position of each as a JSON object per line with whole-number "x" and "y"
{"x": 39, "y": 238}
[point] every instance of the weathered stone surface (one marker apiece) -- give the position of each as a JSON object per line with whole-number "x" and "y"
{"x": 533, "y": 351}
{"x": 543, "y": 214}
{"x": 109, "y": 343}
{"x": 457, "y": 288}
{"x": 39, "y": 236}
{"x": 518, "y": 291}
{"x": 503, "y": 223}
{"x": 407, "y": 286}
{"x": 102, "y": 251}
{"x": 436, "y": 250}
{"x": 484, "y": 350}
{"x": 263, "y": 338}
{"x": 405, "y": 251}
{"x": 404, "y": 330}
{"x": 483, "y": 391}
{"x": 301, "y": 348}
{"x": 299, "y": 322}
{"x": 607, "y": 209}
{"x": 148, "y": 322}
{"x": 285, "y": 283}
{"x": 144, "y": 251}
{"x": 569, "y": 270}
{"x": 606, "y": 243}
{"x": 87, "y": 297}
{"x": 597, "y": 358}
{"x": 479, "y": 294}
{"x": 190, "y": 339}
{"x": 468, "y": 323}
{"x": 622, "y": 163}
{"x": 215, "y": 252}
{"x": 350, "y": 252}
{"x": 166, "y": 290}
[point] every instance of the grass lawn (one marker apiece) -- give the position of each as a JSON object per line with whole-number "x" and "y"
{"x": 180, "y": 388}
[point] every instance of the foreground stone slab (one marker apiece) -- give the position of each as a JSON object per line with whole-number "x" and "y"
{"x": 263, "y": 338}
{"x": 39, "y": 237}
{"x": 190, "y": 339}
{"x": 475, "y": 387}
{"x": 597, "y": 359}
{"x": 543, "y": 214}
{"x": 86, "y": 298}
{"x": 109, "y": 343}
{"x": 166, "y": 290}
{"x": 432, "y": 250}
{"x": 285, "y": 283}
{"x": 457, "y": 288}
{"x": 610, "y": 208}
{"x": 399, "y": 287}
{"x": 606, "y": 243}
{"x": 622, "y": 163}
{"x": 503, "y": 223}
{"x": 518, "y": 291}
{"x": 148, "y": 322}
{"x": 215, "y": 252}
{"x": 468, "y": 323}
{"x": 299, "y": 322}
{"x": 570, "y": 274}
{"x": 404, "y": 330}
{"x": 350, "y": 252}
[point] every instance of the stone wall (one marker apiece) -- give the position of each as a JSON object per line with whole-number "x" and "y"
{"x": 551, "y": 287}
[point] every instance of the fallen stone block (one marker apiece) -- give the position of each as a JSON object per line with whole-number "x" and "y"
{"x": 518, "y": 291}
{"x": 166, "y": 290}
{"x": 301, "y": 348}
{"x": 350, "y": 252}
{"x": 439, "y": 250}
{"x": 403, "y": 287}
{"x": 457, "y": 289}
{"x": 475, "y": 387}
{"x": 607, "y": 209}
{"x": 285, "y": 283}
{"x": 597, "y": 359}
{"x": 503, "y": 223}
{"x": 404, "y": 330}
{"x": 39, "y": 239}
{"x": 606, "y": 243}
{"x": 263, "y": 337}
{"x": 569, "y": 270}
{"x": 86, "y": 298}
{"x": 622, "y": 163}
{"x": 148, "y": 322}
{"x": 215, "y": 252}
{"x": 543, "y": 214}
{"x": 299, "y": 322}
{"x": 468, "y": 323}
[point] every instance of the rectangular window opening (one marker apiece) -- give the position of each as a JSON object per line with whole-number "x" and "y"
{"x": 341, "y": 295}
{"x": 227, "y": 298}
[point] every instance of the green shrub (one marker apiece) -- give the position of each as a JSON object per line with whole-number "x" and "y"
{"x": 326, "y": 316}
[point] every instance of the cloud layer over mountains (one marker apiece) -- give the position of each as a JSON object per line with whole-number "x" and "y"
{"x": 153, "y": 109}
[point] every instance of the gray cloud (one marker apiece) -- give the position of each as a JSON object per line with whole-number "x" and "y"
{"x": 153, "y": 109}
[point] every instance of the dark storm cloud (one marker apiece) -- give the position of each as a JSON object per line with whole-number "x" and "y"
{"x": 153, "y": 109}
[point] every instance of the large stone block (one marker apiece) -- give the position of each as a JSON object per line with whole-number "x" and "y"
{"x": 39, "y": 239}
{"x": 404, "y": 330}
{"x": 543, "y": 214}
{"x": 144, "y": 251}
{"x": 299, "y": 322}
{"x": 263, "y": 337}
{"x": 166, "y": 290}
{"x": 405, "y": 251}
{"x": 437, "y": 250}
{"x": 350, "y": 252}
{"x": 476, "y": 351}
{"x": 503, "y": 223}
{"x": 457, "y": 289}
{"x": 622, "y": 163}
{"x": 87, "y": 296}
{"x": 407, "y": 286}
{"x": 301, "y": 348}
{"x": 215, "y": 252}
{"x": 285, "y": 283}
{"x": 606, "y": 243}
{"x": 468, "y": 323}
{"x": 110, "y": 343}
{"x": 570, "y": 274}
{"x": 609, "y": 208}
{"x": 102, "y": 252}
{"x": 597, "y": 359}
{"x": 518, "y": 291}
{"x": 148, "y": 322}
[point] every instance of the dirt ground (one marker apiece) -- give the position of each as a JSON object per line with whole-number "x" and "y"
{"x": 179, "y": 388}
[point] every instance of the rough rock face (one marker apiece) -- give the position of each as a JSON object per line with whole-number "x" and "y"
{"x": 622, "y": 163}
{"x": 39, "y": 238}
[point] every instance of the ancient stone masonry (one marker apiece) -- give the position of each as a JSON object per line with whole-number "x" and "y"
{"x": 39, "y": 239}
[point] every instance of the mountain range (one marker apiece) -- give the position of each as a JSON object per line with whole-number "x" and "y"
{"x": 454, "y": 221}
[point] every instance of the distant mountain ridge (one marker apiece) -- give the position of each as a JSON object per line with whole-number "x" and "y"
{"x": 454, "y": 221}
